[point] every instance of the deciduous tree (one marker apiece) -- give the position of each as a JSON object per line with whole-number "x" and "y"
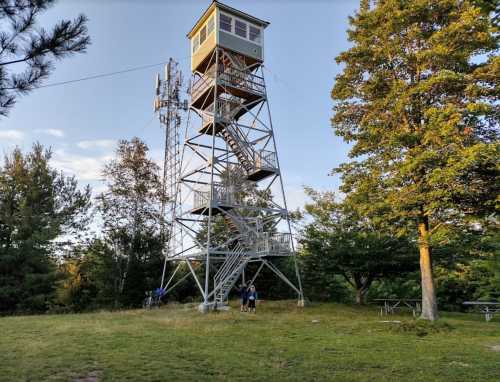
{"x": 131, "y": 218}
{"x": 338, "y": 240}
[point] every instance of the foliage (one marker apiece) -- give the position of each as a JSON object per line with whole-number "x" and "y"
{"x": 418, "y": 100}
{"x": 340, "y": 241}
{"x": 37, "y": 206}
{"x": 27, "y": 52}
{"x": 131, "y": 219}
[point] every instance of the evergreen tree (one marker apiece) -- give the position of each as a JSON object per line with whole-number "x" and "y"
{"x": 27, "y": 52}
{"x": 37, "y": 205}
{"x": 418, "y": 100}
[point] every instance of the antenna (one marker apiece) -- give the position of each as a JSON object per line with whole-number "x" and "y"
{"x": 169, "y": 106}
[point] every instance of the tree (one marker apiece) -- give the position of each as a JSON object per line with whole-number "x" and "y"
{"x": 418, "y": 100}
{"x": 131, "y": 219}
{"x": 27, "y": 52}
{"x": 89, "y": 278}
{"x": 340, "y": 241}
{"x": 37, "y": 205}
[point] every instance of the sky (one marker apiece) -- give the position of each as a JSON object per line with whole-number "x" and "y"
{"x": 82, "y": 121}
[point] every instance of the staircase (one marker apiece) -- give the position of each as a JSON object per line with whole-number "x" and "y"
{"x": 240, "y": 147}
{"x": 231, "y": 225}
{"x": 228, "y": 274}
{"x": 232, "y": 60}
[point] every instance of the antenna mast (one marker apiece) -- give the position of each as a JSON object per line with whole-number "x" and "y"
{"x": 169, "y": 105}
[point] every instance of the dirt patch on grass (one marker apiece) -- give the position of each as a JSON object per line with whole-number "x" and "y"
{"x": 92, "y": 376}
{"x": 495, "y": 347}
{"x": 420, "y": 328}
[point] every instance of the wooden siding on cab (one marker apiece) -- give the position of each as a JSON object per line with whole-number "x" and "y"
{"x": 203, "y": 51}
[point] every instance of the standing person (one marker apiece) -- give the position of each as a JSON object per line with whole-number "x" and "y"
{"x": 158, "y": 294}
{"x": 252, "y": 298}
{"x": 148, "y": 301}
{"x": 243, "y": 297}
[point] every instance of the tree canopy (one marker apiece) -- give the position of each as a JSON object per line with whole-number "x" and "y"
{"x": 28, "y": 52}
{"x": 37, "y": 205}
{"x": 130, "y": 209}
{"x": 418, "y": 100}
{"x": 339, "y": 240}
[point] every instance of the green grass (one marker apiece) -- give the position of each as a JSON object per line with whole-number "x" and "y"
{"x": 281, "y": 342}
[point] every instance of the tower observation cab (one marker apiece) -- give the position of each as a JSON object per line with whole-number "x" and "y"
{"x": 227, "y": 28}
{"x": 230, "y": 173}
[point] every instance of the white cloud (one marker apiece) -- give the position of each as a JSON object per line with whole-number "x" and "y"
{"x": 53, "y": 132}
{"x": 83, "y": 167}
{"x": 12, "y": 135}
{"x": 98, "y": 143}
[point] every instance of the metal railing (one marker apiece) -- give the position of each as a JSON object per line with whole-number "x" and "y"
{"x": 274, "y": 243}
{"x": 200, "y": 84}
{"x": 244, "y": 146}
{"x": 221, "y": 194}
{"x": 265, "y": 159}
{"x": 232, "y": 77}
{"x": 230, "y": 265}
{"x": 242, "y": 79}
{"x": 225, "y": 111}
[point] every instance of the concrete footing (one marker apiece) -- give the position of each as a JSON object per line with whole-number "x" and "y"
{"x": 205, "y": 308}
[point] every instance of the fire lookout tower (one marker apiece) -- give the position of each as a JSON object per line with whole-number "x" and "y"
{"x": 229, "y": 205}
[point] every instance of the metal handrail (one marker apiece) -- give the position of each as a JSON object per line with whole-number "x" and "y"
{"x": 242, "y": 79}
{"x": 229, "y": 76}
{"x": 266, "y": 159}
{"x": 202, "y": 82}
{"x": 235, "y": 265}
{"x": 221, "y": 193}
{"x": 274, "y": 242}
{"x": 226, "y": 268}
{"x": 240, "y": 138}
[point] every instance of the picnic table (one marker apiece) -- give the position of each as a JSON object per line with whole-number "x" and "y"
{"x": 391, "y": 304}
{"x": 488, "y": 308}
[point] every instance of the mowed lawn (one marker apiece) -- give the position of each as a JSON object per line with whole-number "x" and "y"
{"x": 324, "y": 342}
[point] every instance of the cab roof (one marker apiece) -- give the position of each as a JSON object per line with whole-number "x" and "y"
{"x": 228, "y": 9}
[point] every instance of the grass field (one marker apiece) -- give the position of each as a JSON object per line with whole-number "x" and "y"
{"x": 322, "y": 342}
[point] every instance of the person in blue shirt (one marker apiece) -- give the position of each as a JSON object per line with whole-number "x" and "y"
{"x": 252, "y": 299}
{"x": 159, "y": 293}
{"x": 243, "y": 297}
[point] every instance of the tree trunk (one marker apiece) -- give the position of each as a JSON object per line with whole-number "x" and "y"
{"x": 361, "y": 284}
{"x": 429, "y": 304}
{"x": 360, "y": 296}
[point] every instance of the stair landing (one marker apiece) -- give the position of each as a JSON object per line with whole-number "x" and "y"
{"x": 216, "y": 209}
{"x": 261, "y": 173}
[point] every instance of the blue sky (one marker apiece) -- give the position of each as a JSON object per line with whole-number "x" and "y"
{"x": 82, "y": 121}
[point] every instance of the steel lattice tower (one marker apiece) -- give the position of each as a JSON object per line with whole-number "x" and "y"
{"x": 225, "y": 216}
{"x": 168, "y": 105}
